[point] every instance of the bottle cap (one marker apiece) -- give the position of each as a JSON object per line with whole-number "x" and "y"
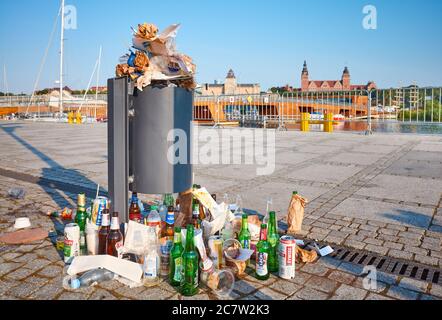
{"x": 75, "y": 283}
{"x": 295, "y": 192}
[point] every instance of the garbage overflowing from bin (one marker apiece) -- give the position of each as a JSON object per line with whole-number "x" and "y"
{"x": 153, "y": 58}
{"x": 189, "y": 241}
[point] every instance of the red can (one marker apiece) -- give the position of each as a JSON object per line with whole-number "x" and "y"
{"x": 287, "y": 257}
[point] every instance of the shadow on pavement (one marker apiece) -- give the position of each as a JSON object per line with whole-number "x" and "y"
{"x": 73, "y": 176}
{"x": 408, "y": 217}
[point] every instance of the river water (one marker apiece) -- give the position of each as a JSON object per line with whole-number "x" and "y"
{"x": 383, "y": 127}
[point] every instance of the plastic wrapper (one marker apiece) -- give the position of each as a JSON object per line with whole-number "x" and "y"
{"x": 295, "y": 214}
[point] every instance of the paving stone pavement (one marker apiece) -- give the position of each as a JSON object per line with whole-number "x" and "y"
{"x": 370, "y": 193}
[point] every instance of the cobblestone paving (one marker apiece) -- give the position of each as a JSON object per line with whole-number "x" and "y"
{"x": 380, "y": 193}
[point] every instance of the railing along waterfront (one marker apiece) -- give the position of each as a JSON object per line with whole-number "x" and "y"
{"x": 410, "y": 104}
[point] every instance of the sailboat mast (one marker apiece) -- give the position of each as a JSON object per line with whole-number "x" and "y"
{"x": 98, "y": 80}
{"x": 61, "y": 57}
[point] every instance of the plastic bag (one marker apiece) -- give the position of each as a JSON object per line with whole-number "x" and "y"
{"x": 137, "y": 238}
{"x": 295, "y": 214}
{"x": 17, "y": 193}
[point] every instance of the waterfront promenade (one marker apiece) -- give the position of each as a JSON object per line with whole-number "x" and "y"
{"x": 379, "y": 193}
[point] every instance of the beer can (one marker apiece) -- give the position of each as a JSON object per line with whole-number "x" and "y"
{"x": 98, "y": 207}
{"x": 216, "y": 250}
{"x": 287, "y": 255}
{"x": 71, "y": 247}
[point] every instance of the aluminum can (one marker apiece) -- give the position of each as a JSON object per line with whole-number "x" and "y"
{"x": 71, "y": 247}
{"x": 98, "y": 207}
{"x": 287, "y": 257}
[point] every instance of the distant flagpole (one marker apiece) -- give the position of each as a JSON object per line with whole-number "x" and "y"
{"x": 61, "y": 58}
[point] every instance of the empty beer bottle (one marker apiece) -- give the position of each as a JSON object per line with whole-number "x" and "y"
{"x": 134, "y": 209}
{"x": 176, "y": 260}
{"x": 196, "y": 222}
{"x": 262, "y": 253}
{"x": 189, "y": 273}
{"x": 273, "y": 239}
{"x": 115, "y": 238}
{"x": 103, "y": 233}
{"x": 244, "y": 235}
{"x": 170, "y": 221}
{"x": 80, "y": 219}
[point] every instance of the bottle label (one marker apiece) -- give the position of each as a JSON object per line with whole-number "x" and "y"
{"x": 119, "y": 249}
{"x": 170, "y": 218}
{"x": 115, "y": 225}
{"x": 82, "y": 240}
{"x": 178, "y": 267}
{"x": 150, "y": 266}
{"x": 261, "y": 263}
{"x": 245, "y": 243}
{"x": 105, "y": 220}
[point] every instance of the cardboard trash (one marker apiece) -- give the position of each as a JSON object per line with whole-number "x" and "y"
{"x": 185, "y": 216}
{"x": 126, "y": 269}
{"x": 305, "y": 255}
{"x": 295, "y": 214}
{"x": 24, "y": 236}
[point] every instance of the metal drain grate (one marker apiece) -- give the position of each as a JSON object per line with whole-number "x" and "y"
{"x": 393, "y": 266}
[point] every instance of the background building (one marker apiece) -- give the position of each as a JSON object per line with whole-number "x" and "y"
{"x": 230, "y": 86}
{"x": 331, "y": 85}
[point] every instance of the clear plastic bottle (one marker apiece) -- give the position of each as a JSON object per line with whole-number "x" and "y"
{"x": 154, "y": 220}
{"x": 91, "y": 277}
{"x": 163, "y": 212}
{"x": 151, "y": 265}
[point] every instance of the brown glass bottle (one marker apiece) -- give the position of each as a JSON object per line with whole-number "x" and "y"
{"x": 115, "y": 238}
{"x": 104, "y": 232}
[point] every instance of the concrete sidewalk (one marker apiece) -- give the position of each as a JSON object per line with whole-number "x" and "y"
{"x": 379, "y": 193}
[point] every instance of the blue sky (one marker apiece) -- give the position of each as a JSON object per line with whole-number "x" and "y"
{"x": 264, "y": 42}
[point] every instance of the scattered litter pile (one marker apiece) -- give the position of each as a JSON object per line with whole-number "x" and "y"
{"x": 153, "y": 59}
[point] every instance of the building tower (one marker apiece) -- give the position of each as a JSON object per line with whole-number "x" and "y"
{"x": 346, "y": 79}
{"x": 230, "y": 83}
{"x": 304, "y": 77}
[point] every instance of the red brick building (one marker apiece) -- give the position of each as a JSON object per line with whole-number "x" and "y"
{"x": 331, "y": 85}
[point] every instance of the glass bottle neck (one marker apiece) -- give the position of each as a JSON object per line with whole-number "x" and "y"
{"x": 115, "y": 225}
{"x": 177, "y": 238}
{"x": 263, "y": 235}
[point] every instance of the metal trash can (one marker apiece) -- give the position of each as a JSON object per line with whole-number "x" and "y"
{"x": 157, "y": 113}
{"x": 139, "y": 126}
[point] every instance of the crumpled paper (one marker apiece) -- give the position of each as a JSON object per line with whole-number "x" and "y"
{"x": 146, "y": 31}
{"x": 156, "y": 59}
{"x": 305, "y": 255}
{"x": 295, "y": 214}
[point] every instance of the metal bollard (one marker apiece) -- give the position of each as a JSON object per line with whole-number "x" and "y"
{"x": 328, "y": 124}
{"x": 305, "y": 118}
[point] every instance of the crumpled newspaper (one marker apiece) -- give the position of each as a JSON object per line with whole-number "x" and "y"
{"x": 156, "y": 59}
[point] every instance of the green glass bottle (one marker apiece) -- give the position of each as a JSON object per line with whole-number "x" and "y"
{"x": 189, "y": 273}
{"x": 176, "y": 260}
{"x": 273, "y": 239}
{"x": 168, "y": 201}
{"x": 80, "y": 219}
{"x": 262, "y": 253}
{"x": 244, "y": 235}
